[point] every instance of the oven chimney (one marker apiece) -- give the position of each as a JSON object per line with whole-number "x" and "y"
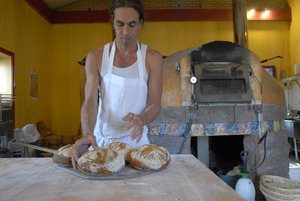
{"x": 239, "y": 9}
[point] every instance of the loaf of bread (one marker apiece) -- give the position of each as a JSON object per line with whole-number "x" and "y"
{"x": 149, "y": 157}
{"x": 101, "y": 162}
{"x": 120, "y": 147}
{"x": 63, "y": 156}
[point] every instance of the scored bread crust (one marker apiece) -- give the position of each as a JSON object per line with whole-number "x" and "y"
{"x": 149, "y": 157}
{"x": 120, "y": 147}
{"x": 101, "y": 162}
{"x": 63, "y": 156}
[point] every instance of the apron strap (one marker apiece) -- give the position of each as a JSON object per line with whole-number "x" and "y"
{"x": 111, "y": 58}
{"x": 139, "y": 59}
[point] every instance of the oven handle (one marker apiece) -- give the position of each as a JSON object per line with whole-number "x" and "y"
{"x": 193, "y": 81}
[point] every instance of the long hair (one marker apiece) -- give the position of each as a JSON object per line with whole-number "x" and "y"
{"x": 135, "y": 4}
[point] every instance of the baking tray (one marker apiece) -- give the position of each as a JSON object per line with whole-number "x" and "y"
{"x": 127, "y": 172}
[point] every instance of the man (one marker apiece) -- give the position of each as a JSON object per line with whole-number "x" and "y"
{"x": 129, "y": 75}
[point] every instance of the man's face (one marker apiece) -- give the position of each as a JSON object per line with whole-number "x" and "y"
{"x": 126, "y": 24}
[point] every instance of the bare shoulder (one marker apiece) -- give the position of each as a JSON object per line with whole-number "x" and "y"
{"x": 152, "y": 54}
{"x": 153, "y": 59}
{"x": 94, "y": 58}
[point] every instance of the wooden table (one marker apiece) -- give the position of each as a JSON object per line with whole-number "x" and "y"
{"x": 185, "y": 179}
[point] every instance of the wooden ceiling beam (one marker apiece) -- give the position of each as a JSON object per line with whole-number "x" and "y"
{"x": 42, "y": 8}
{"x": 97, "y": 16}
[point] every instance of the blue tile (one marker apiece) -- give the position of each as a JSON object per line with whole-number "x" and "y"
{"x": 232, "y": 128}
{"x": 208, "y": 129}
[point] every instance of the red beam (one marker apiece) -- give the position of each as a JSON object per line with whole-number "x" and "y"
{"x": 95, "y": 16}
{"x": 188, "y": 14}
{"x": 276, "y": 14}
{"x": 168, "y": 15}
{"x": 41, "y": 7}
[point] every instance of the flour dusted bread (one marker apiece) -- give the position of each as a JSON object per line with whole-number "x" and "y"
{"x": 120, "y": 147}
{"x": 63, "y": 156}
{"x": 149, "y": 157}
{"x": 101, "y": 162}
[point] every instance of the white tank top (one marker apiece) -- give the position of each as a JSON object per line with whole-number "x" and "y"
{"x": 127, "y": 72}
{"x": 119, "y": 96}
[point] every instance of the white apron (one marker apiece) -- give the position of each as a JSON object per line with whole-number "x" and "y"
{"x": 118, "y": 97}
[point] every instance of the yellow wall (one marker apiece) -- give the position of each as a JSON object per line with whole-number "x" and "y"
{"x": 53, "y": 51}
{"x": 268, "y": 39}
{"x": 294, "y": 34}
{"x": 72, "y": 42}
{"x": 171, "y": 37}
{"x": 25, "y": 33}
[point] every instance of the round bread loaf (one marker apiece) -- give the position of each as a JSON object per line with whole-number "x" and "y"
{"x": 120, "y": 147}
{"x": 101, "y": 162}
{"x": 63, "y": 156}
{"x": 149, "y": 157}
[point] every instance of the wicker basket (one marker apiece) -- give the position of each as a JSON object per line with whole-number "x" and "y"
{"x": 277, "y": 188}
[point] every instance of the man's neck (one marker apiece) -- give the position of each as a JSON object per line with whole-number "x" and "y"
{"x": 126, "y": 49}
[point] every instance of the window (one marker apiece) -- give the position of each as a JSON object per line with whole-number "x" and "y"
{"x": 5, "y": 74}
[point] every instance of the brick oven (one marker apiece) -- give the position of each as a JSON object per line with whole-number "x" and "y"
{"x": 218, "y": 95}
{"x": 220, "y": 89}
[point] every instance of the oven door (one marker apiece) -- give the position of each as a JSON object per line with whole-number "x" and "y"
{"x": 222, "y": 83}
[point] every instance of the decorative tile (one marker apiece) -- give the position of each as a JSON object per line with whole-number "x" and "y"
{"x": 162, "y": 129}
{"x": 264, "y": 126}
{"x": 208, "y": 129}
{"x": 220, "y": 129}
{"x": 254, "y": 126}
{"x": 153, "y": 129}
{"x": 232, "y": 128}
{"x": 271, "y": 126}
{"x": 244, "y": 128}
{"x": 276, "y": 126}
{"x": 173, "y": 129}
{"x": 182, "y": 129}
{"x": 197, "y": 129}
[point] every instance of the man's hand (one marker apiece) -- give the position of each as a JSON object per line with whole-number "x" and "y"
{"x": 81, "y": 145}
{"x": 135, "y": 121}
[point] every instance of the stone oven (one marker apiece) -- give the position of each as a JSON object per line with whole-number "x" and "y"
{"x": 220, "y": 89}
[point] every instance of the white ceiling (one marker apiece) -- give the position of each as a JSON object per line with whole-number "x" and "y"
{"x": 56, "y": 4}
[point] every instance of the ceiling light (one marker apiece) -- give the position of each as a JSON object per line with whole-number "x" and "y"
{"x": 250, "y": 13}
{"x": 265, "y": 14}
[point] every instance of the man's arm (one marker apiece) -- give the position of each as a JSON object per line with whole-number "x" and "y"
{"x": 89, "y": 107}
{"x": 154, "y": 64}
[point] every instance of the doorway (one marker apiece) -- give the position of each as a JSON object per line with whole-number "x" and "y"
{"x": 7, "y": 94}
{"x": 6, "y": 73}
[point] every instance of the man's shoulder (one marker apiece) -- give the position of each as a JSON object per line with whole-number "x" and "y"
{"x": 153, "y": 53}
{"x": 96, "y": 52}
{"x": 94, "y": 57}
{"x": 153, "y": 59}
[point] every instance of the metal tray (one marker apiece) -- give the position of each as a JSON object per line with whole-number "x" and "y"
{"x": 127, "y": 172}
